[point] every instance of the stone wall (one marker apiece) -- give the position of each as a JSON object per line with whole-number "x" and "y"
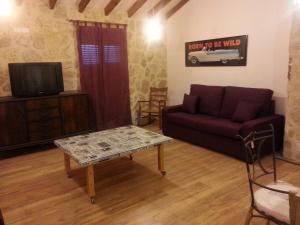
{"x": 292, "y": 129}
{"x": 34, "y": 33}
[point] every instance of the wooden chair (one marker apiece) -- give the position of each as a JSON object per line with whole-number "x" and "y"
{"x": 278, "y": 202}
{"x": 153, "y": 107}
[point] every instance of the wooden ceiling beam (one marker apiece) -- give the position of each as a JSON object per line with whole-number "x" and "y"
{"x": 82, "y": 5}
{"x": 110, "y": 6}
{"x": 135, "y": 7}
{"x": 159, "y": 6}
{"x": 176, "y": 8}
{"x": 52, "y": 4}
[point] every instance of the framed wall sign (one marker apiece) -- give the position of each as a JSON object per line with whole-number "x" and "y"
{"x": 229, "y": 51}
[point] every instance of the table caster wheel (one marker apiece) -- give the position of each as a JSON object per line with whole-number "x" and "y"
{"x": 163, "y": 173}
{"x": 93, "y": 200}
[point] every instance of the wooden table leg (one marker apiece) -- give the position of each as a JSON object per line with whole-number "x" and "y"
{"x": 160, "y": 159}
{"x": 67, "y": 164}
{"x": 90, "y": 182}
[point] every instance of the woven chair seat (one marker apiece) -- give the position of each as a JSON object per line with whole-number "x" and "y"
{"x": 274, "y": 203}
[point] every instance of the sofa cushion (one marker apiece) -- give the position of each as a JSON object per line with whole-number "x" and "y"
{"x": 246, "y": 111}
{"x": 235, "y": 94}
{"x": 210, "y": 98}
{"x": 189, "y": 104}
{"x": 205, "y": 123}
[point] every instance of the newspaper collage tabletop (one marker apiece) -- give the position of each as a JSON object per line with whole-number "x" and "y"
{"x": 92, "y": 148}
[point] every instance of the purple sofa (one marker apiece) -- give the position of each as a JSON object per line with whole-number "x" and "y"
{"x": 214, "y": 124}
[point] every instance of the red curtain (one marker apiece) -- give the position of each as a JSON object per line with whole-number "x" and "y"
{"x": 104, "y": 73}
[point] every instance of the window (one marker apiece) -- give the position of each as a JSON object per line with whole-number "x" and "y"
{"x": 112, "y": 54}
{"x": 104, "y": 75}
{"x": 90, "y": 54}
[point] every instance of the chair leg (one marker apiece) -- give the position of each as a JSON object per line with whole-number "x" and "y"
{"x": 149, "y": 118}
{"x": 139, "y": 115}
{"x": 249, "y": 216}
{"x": 268, "y": 222}
{"x": 159, "y": 119}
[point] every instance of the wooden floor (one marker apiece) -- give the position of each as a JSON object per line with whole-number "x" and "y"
{"x": 201, "y": 188}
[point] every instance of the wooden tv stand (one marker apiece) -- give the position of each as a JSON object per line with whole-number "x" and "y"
{"x": 39, "y": 120}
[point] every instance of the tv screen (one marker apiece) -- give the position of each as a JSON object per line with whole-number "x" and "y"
{"x": 35, "y": 79}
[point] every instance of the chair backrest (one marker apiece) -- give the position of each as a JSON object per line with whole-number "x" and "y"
{"x": 157, "y": 96}
{"x": 253, "y": 144}
{"x": 294, "y": 199}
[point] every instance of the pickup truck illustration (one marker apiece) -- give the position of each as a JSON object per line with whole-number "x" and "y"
{"x": 220, "y": 55}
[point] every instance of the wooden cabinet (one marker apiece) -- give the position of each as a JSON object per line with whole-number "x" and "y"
{"x": 30, "y": 121}
{"x": 13, "y": 129}
{"x": 74, "y": 111}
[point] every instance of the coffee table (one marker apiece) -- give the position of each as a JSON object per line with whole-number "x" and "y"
{"x": 90, "y": 149}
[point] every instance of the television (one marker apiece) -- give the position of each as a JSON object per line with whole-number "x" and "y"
{"x": 35, "y": 79}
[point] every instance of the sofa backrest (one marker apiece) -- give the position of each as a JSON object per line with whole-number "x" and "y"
{"x": 210, "y": 98}
{"x": 233, "y": 95}
{"x": 272, "y": 108}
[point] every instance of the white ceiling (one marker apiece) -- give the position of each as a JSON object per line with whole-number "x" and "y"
{"x": 124, "y": 5}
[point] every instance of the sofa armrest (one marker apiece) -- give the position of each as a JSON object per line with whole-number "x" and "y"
{"x": 172, "y": 109}
{"x": 278, "y": 121}
{"x": 263, "y": 123}
{"x": 166, "y": 110}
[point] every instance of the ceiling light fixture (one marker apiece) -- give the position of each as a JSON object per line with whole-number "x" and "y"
{"x": 153, "y": 29}
{"x": 6, "y": 7}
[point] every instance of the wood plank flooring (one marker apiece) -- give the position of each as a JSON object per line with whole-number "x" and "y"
{"x": 201, "y": 188}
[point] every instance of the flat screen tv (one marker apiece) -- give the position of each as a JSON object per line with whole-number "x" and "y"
{"x": 35, "y": 79}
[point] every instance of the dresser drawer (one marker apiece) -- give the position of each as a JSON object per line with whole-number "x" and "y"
{"x": 43, "y": 114}
{"x": 45, "y": 126}
{"x": 42, "y": 103}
